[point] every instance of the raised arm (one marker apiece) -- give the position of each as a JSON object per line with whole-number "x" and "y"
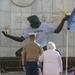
{"x": 59, "y": 28}
{"x": 19, "y": 39}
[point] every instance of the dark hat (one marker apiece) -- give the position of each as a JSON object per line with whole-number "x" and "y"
{"x": 34, "y": 21}
{"x": 33, "y": 18}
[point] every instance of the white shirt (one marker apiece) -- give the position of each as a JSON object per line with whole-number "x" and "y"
{"x": 52, "y": 62}
{"x": 42, "y": 31}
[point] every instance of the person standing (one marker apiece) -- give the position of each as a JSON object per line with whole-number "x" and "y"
{"x": 52, "y": 62}
{"x": 30, "y": 54}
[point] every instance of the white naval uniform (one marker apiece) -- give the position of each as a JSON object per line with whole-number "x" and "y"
{"x": 52, "y": 62}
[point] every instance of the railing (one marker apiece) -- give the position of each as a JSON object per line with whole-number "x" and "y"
{"x": 11, "y": 63}
{"x": 14, "y": 63}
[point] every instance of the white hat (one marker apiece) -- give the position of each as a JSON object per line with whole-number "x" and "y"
{"x": 51, "y": 45}
{"x": 32, "y": 33}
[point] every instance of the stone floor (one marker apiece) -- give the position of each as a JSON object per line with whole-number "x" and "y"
{"x": 13, "y": 73}
{"x": 19, "y": 73}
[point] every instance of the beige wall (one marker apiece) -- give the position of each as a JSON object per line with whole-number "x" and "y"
{"x": 50, "y": 11}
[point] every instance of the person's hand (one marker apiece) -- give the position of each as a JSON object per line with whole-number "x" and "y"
{"x": 60, "y": 73}
{"x": 24, "y": 68}
{"x": 66, "y": 17}
{"x": 5, "y": 34}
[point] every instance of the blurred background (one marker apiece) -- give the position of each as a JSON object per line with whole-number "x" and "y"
{"x": 14, "y": 13}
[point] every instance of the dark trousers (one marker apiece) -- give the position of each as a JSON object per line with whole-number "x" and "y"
{"x": 18, "y": 52}
{"x": 32, "y": 68}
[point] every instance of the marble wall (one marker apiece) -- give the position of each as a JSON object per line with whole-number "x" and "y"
{"x": 49, "y": 11}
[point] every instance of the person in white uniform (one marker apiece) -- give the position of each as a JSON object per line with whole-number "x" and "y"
{"x": 38, "y": 27}
{"x": 52, "y": 62}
